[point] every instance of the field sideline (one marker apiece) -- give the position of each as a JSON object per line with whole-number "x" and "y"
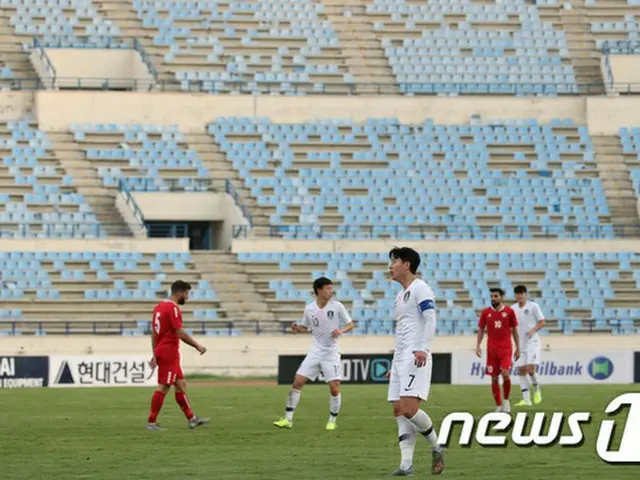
{"x": 100, "y": 433}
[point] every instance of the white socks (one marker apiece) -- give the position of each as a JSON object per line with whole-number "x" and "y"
{"x": 407, "y": 435}
{"x": 524, "y": 385}
{"x": 424, "y": 425}
{"x": 334, "y": 407}
{"x": 292, "y": 403}
{"x": 534, "y": 382}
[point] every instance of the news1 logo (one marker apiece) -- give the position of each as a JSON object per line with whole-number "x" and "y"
{"x": 627, "y": 453}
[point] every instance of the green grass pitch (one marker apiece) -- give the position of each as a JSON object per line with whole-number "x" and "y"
{"x": 100, "y": 433}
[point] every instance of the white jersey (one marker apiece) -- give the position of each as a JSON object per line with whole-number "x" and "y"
{"x": 412, "y": 332}
{"x": 322, "y": 321}
{"x": 528, "y": 316}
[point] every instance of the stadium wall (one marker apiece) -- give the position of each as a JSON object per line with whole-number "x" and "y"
{"x": 258, "y": 355}
{"x": 57, "y": 110}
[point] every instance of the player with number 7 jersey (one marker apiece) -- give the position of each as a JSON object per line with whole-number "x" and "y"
{"x": 166, "y": 333}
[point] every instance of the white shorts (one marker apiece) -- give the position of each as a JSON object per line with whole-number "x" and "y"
{"x": 327, "y": 364}
{"x": 407, "y": 380}
{"x": 530, "y": 355}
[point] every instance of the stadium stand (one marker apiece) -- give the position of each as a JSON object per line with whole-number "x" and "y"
{"x": 327, "y": 178}
{"x": 39, "y": 199}
{"x": 280, "y": 46}
{"x": 630, "y": 140}
{"x": 145, "y": 157}
{"x": 571, "y": 288}
{"x": 99, "y": 292}
{"x": 489, "y": 51}
{"x": 67, "y": 22}
{"x": 356, "y": 180}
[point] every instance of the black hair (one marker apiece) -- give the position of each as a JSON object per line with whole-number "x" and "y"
{"x": 180, "y": 286}
{"x": 320, "y": 283}
{"x": 520, "y": 289}
{"x": 406, "y": 254}
{"x": 498, "y": 290}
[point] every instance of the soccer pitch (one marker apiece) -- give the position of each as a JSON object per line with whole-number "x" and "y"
{"x": 100, "y": 433}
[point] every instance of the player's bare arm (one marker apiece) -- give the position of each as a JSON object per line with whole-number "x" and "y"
{"x": 299, "y": 328}
{"x": 479, "y": 338}
{"x": 539, "y": 326}
{"x": 341, "y": 331}
{"x": 154, "y": 341}
{"x": 188, "y": 339}
{"x": 516, "y": 339}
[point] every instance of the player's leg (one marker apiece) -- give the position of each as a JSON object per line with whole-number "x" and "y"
{"x": 493, "y": 368}
{"x": 532, "y": 366}
{"x": 521, "y": 366}
{"x": 304, "y": 373}
{"x": 332, "y": 371}
{"x": 335, "y": 402}
{"x": 415, "y": 385}
{"x": 505, "y": 367}
{"x": 183, "y": 402}
{"x": 407, "y": 433}
{"x": 165, "y": 380}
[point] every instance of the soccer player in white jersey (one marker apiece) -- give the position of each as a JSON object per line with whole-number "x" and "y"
{"x": 410, "y": 375}
{"x": 322, "y": 318}
{"x": 530, "y": 321}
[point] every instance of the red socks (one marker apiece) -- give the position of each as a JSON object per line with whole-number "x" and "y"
{"x": 495, "y": 389}
{"x": 506, "y": 387}
{"x": 156, "y": 405}
{"x": 181, "y": 399}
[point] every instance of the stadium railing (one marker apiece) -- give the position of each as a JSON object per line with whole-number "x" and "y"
{"x": 108, "y": 327}
{"x": 78, "y": 230}
{"x": 131, "y": 203}
{"x": 444, "y": 231}
{"x": 46, "y": 61}
{"x": 132, "y": 327}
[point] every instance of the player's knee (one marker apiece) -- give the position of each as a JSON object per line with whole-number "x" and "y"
{"x": 181, "y": 386}
{"x": 397, "y": 411}
{"x": 298, "y": 383}
{"x": 505, "y": 374}
{"x": 334, "y": 388}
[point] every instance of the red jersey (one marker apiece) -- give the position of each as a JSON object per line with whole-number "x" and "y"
{"x": 167, "y": 318}
{"x": 499, "y": 324}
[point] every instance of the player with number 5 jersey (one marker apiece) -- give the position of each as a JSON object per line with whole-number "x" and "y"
{"x": 166, "y": 333}
{"x": 323, "y": 318}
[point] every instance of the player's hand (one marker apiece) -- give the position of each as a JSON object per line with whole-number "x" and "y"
{"x": 388, "y": 374}
{"x": 201, "y": 349}
{"x": 421, "y": 359}
{"x": 531, "y": 333}
{"x": 153, "y": 363}
{"x": 479, "y": 352}
{"x": 294, "y": 326}
{"x": 336, "y": 333}
{"x": 517, "y": 354}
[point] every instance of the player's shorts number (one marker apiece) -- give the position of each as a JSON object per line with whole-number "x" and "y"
{"x": 336, "y": 369}
{"x": 156, "y": 323}
{"x": 411, "y": 379}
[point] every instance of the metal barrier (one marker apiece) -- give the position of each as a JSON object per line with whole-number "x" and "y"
{"x": 444, "y": 231}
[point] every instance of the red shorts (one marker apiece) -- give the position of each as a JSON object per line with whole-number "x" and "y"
{"x": 498, "y": 360}
{"x": 169, "y": 370}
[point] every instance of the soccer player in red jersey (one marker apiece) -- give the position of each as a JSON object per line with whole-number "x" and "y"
{"x": 166, "y": 333}
{"x": 501, "y": 324}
